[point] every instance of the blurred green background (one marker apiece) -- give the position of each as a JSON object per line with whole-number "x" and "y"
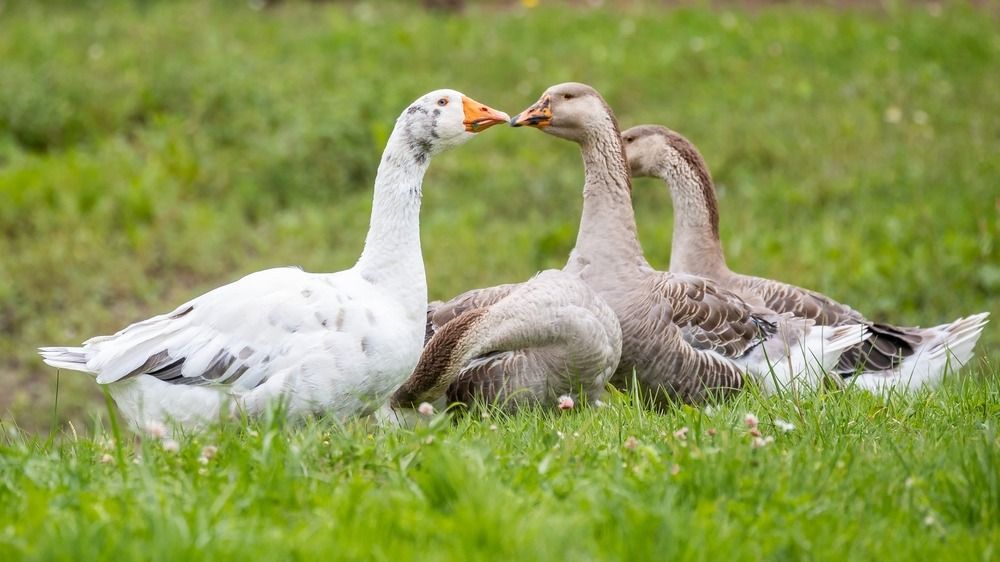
{"x": 151, "y": 151}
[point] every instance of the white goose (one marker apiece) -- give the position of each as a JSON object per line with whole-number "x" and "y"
{"x": 332, "y": 343}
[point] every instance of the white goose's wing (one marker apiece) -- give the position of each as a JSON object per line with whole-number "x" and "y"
{"x": 238, "y": 334}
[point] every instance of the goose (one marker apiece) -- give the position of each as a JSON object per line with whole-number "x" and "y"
{"x": 320, "y": 343}
{"x": 683, "y": 336}
{"x": 904, "y": 358}
{"x": 529, "y": 344}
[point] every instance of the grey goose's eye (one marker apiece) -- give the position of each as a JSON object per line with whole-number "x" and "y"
{"x": 629, "y": 139}
{"x": 568, "y": 96}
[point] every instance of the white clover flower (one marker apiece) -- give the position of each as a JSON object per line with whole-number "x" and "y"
{"x": 784, "y": 425}
{"x": 156, "y": 429}
{"x": 681, "y": 433}
{"x": 566, "y": 402}
{"x": 631, "y": 443}
{"x": 751, "y": 420}
{"x": 171, "y": 446}
{"x": 425, "y": 409}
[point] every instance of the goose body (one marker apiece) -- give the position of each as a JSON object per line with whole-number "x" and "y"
{"x": 892, "y": 358}
{"x": 683, "y": 337}
{"x": 336, "y": 343}
{"x": 515, "y": 345}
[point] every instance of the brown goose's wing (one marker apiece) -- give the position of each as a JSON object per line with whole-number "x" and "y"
{"x": 440, "y": 313}
{"x": 803, "y": 303}
{"x": 886, "y": 347}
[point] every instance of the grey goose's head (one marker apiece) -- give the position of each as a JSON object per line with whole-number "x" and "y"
{"x": 571, "y": 110}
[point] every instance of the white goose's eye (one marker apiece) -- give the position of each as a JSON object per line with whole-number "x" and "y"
{"x": 568, "y": 96}
{"x": 443, "y": 102}
{"x": 629, "y": 139}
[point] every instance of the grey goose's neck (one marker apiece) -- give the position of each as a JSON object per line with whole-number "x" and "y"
{"x": 607, "y": 236}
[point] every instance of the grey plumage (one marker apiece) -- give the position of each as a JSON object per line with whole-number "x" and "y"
{"x": 514, "y": 345}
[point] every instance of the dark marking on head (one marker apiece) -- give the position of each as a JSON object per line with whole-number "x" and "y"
{"x": 415, "y": 109}
{"x": 421, "y": 150}
{"x": 306, "y": 293}
{"x": 437, "y": 112}
{"x": 340, "y": 319}
{"x": 369, "y": 277}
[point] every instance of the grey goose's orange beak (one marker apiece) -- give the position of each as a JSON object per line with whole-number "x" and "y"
{"x": 538, "y": 115}
{"x": 479, "y": 117}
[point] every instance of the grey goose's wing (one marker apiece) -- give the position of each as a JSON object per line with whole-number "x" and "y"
{"x": 681, "y": 334}
{"x": 440, "y": 313}
{"x": 711, "y": 317}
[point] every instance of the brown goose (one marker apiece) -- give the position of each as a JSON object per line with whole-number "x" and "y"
{"x": 532, "y": 343}
{"x": 894, "y": 357}
{"x": 683, "y": 337}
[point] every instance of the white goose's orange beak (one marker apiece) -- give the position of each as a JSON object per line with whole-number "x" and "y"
{"x": 479, "y": 117}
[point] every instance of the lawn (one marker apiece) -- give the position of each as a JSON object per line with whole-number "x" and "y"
{"x": 155, "y": 150}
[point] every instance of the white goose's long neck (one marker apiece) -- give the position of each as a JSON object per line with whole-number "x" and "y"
{"x": 392, "y": 257}
{"x": 607, "y": 236}
{"x": 695, "y": 247}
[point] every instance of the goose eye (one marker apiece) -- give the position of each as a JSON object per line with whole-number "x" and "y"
{"x": 443, "y": 102}
{"x": 628, "y": 139}
{"x": 568, "y": 96}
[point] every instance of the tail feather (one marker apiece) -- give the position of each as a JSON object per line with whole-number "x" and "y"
{"x": 962, "y": 335}
{"x": 803, "y": 355}
{"x": 72, "y": 358}
{"x": 949, "y": 347}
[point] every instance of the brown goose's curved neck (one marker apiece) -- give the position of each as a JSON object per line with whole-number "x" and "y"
{"x": 695, "y": 246}
{"x": 607, "y": 228}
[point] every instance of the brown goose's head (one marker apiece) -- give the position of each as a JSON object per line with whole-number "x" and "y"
{"x": 571, "y": 111}
{"x": 656, "y": 151}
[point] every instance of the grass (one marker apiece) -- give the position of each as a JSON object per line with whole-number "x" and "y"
{"x": 152, "y": 151}
{"x": 857, "y": 478}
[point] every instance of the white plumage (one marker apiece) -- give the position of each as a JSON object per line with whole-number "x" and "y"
{"x": 336, "y": 344}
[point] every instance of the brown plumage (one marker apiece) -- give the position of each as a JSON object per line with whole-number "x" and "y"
{"x": 892, "y": 356}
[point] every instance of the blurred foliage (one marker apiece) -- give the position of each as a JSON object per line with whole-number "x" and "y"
{"x": 150, "y": 151}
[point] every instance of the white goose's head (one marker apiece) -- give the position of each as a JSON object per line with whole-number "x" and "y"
{"x": 443, "y": 119}
{"x": 656, "y": 151}
{"x": 571, "y": 111}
